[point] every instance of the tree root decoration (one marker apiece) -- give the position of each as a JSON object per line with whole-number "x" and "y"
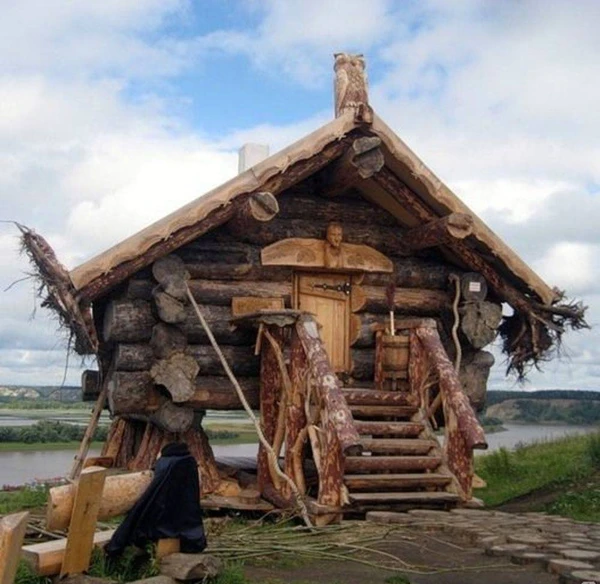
{"x": 271, "y": 454}
{"x": 532, "y": 337}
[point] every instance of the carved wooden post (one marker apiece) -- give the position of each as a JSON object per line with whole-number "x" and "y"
{"x": 270, "y": 395}
{"x": 463, "y": 431}
{"x": 351, "y": 92}
{"x": 295, "y": 414}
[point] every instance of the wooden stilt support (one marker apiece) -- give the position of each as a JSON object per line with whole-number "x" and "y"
{"x": 80, "y": 540}
{"x": 12, "y": 532}
{"x": 89, "y": 434}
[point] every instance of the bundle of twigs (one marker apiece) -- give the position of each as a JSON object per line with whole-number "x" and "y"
{"x": 360, "y": 542}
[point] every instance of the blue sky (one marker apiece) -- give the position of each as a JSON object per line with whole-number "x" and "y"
{"x": 116, "y": 112}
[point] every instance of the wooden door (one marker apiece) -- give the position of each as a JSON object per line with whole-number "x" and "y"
{"x": 327, "y": 296}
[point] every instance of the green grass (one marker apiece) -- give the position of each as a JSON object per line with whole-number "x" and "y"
{"x": 23, "y": 499}
{"x": 26, "y": 575}
{"x": 566, "y": 464}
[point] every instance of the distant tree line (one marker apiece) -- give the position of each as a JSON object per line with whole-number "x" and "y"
{"x": 46, "y": 431}
{"x": 580, "y": 412}
{"x": 22, "y": 403}
{"x": 498, "y": 396}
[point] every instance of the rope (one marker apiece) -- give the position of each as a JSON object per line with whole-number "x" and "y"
{"x": 454, "y": 278}
{"x": 271, "y": 453}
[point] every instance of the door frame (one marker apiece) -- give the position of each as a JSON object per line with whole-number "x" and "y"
{"x": 297, "y": 274}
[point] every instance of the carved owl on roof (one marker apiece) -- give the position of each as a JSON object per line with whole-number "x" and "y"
{"x": 350, "y": 83}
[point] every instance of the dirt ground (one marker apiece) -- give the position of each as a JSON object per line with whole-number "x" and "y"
{"x": 446, "y": 561}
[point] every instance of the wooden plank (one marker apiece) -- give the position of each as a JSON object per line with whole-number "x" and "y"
{"x": 441, "y": 497}
{"x": 241, "y": 305}
{"x": 360, "y": 464}
{"x": 80, "y": 540}
{"x": 382, "y": 411}
{"x": 356, "y": 396}
{"x": 397, "y": 445}
{"x": 12, "y": 532}
{"x": 375, "y": 428}
{"x": 46, "y": 558}
{"x": 395, "y": 481}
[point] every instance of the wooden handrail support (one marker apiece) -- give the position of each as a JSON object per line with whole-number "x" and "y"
{"x": 339, "y": 435}
{"x": 463, "y": 433}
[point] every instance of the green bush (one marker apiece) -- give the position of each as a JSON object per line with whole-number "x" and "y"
{"x": 499, "y": 463}
{"x": 48, "y": 431}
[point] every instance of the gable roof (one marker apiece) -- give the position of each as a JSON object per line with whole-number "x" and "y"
{"x": 92, "y": 278}
{"x": 404, "y": 186}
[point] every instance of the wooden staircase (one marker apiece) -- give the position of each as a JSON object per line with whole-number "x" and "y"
{"x": 401, "y": 464}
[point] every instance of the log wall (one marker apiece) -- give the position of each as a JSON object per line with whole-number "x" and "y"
{"x": 225, "y": 263}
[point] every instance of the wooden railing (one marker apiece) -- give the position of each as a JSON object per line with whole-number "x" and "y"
{"x": 463, "y": 433}
{"x": 300, "y": 404}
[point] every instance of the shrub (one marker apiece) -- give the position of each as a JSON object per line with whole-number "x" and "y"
{"x": 593, "y": 449}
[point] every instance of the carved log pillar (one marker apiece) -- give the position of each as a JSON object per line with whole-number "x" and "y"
{"x": 270, "y": 395}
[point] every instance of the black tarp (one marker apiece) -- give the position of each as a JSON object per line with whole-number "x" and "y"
{"x": 169, "y": 508}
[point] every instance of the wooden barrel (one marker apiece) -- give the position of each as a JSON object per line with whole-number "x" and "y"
{"x": 395, "y": 355}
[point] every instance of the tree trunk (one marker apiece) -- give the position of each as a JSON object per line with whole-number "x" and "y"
{"x": 409, "y": 301}
{"x": 139, "y": 357}
{"x": 166, "y": 340}
{"x": 137, "y": 322}
{"x": 220, "y": 292}
{"x": 127, "y": 321}
{"x": 136, "y": 393}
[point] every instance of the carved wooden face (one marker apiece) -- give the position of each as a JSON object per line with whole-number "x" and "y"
{"x": 334, "y": 235}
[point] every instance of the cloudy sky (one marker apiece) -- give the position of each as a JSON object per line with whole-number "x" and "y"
{"x": 115, "y": 112}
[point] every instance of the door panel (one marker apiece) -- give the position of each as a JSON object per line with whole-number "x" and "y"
{"x": 327, "y": 296}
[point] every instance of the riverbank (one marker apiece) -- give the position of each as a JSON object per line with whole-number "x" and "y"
{"x": 560, "y": 476}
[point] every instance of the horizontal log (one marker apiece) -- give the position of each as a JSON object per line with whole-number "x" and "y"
{"x": 221, "y": 292}
{"x": 90, "y": 385}
{"x": 135, "y": 393}
{"x": 375, "y": 397}
{"x": 140, "y": 357}
{"x": 414, "y": 272}
{"x": 137, "y": 324}
{"x": 391, "y": 482}
{"x": 385, "y": 239}
{"x": 359, "y": 464}
{"x": 408, "y": 301}
{"x": 376, "y": 428}
{"x": 127, "y": 321}
{"x": 46, "y": 558}
{"x": 294, "y": 205}
{"x": 119, "y": 494}
{"x": 360, "y": 411}
{"x": 397, "y": 446}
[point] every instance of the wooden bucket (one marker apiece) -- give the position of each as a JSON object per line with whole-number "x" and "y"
{"x": 395, "y": 355}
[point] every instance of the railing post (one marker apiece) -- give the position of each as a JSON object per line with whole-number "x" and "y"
{"x": 271, "y": 392}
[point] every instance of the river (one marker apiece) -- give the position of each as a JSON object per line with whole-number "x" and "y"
{"x": 22, "y": 467}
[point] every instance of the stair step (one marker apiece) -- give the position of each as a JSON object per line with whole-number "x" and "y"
{"x": 360, "y": 396}
{"x": 364, "y": 482}
{"x": 360, "y": 464}
{"x": 386, "y": 411}
{"x": 397, "y": 445}
{"x": 418, "y": 497}
{"x": 377, "y": 428}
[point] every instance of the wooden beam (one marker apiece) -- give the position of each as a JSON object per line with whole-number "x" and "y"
{"x": 80, "y": 540}
{"x": 46, "y": 558}
{"x": 259, "y": 207}
{"x": 406, "y": 197}
{"x": 361, "y": 161}
{"x": 12, "y": 532}
{"x": 439, "y": 232}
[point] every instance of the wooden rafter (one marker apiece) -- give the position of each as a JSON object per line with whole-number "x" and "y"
{"x": 442, "y": 231}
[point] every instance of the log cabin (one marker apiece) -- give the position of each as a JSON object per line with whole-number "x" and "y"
{"x": 350, "y": 294}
